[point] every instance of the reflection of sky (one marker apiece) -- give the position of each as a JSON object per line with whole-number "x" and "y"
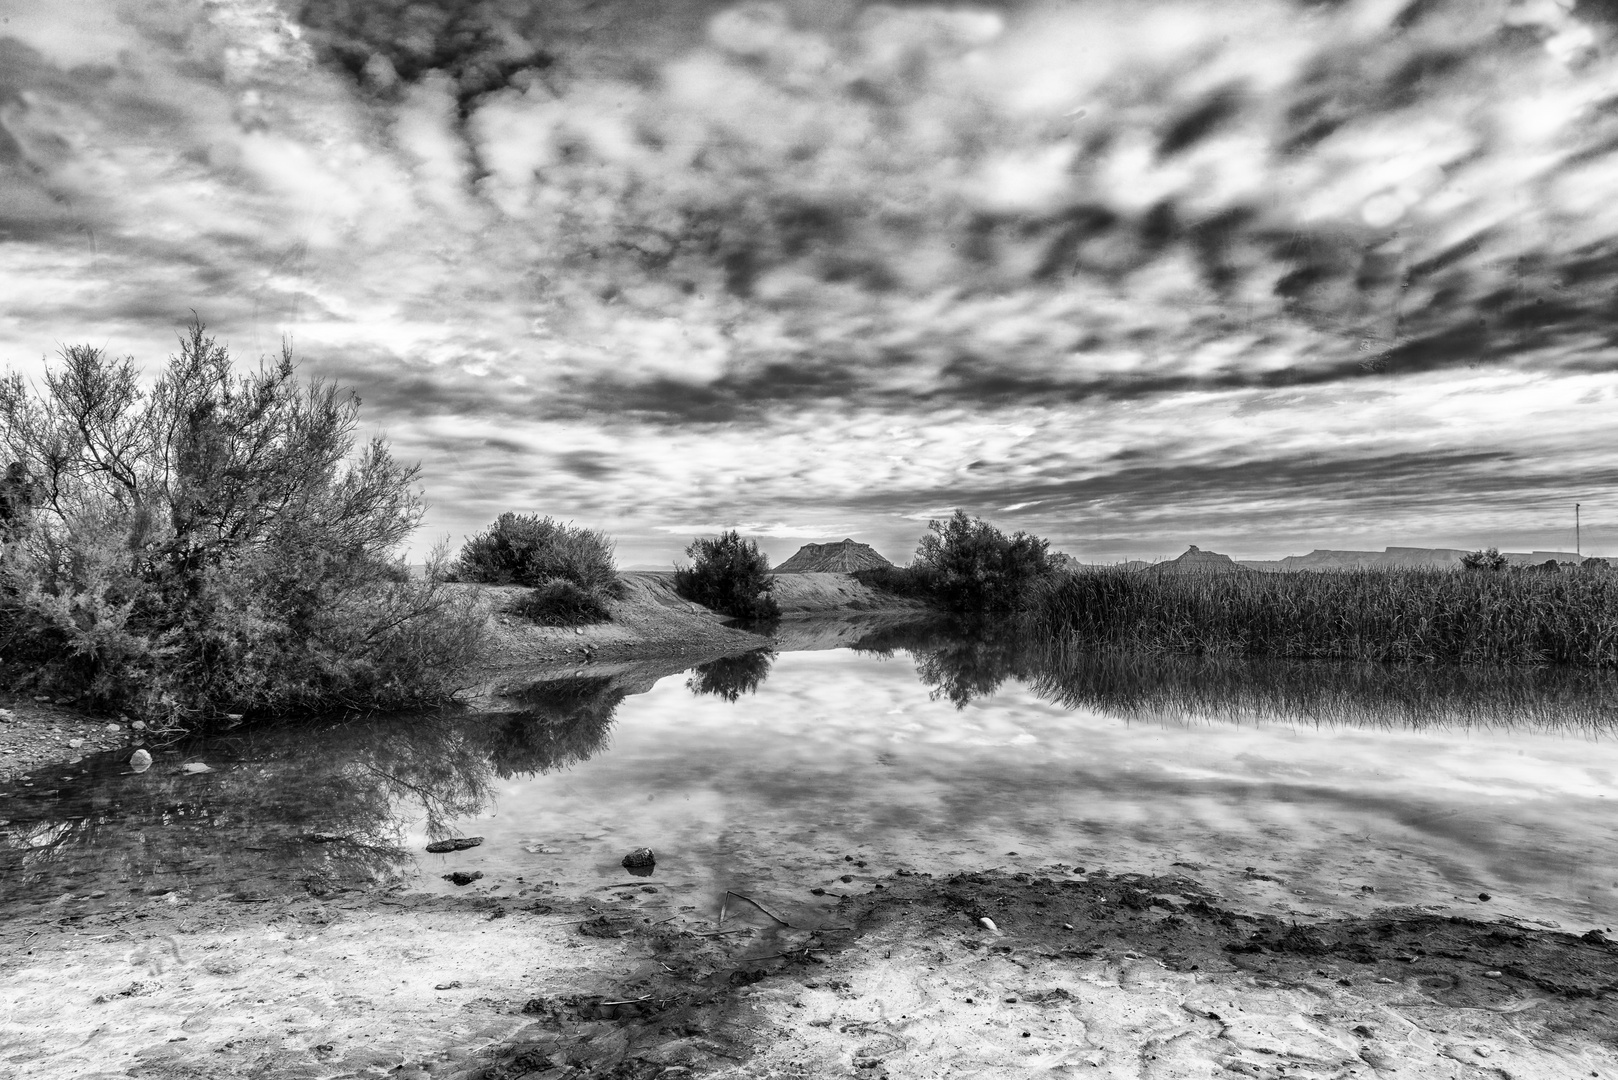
{"x": 841, "y": 754}
{"x": 1263, "y": 276}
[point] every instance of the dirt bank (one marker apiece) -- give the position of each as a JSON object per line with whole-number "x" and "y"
{"x": 39, "y": 734}
{"x": 653, "y": 632}
{"x": 1071, "y": 975}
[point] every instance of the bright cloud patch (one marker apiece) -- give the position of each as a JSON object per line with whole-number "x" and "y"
{"x": 653, "y": 264}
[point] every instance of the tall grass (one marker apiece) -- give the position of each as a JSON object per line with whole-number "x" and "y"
{"x": 1398, "y": 616}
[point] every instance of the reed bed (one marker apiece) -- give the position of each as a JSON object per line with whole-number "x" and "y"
{"x": 1387, "y": 616}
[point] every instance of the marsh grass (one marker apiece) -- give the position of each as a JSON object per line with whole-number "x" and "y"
{"x": 1389, "y": 616}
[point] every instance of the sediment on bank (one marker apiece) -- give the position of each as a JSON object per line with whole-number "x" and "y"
{"x": 650, "y": 619}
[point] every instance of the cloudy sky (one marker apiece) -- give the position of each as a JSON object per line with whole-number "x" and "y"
{"x": 1262, "y": 276}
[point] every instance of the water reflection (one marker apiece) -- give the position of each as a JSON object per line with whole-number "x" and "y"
{"x": 964, "y": 667}
{"x": 315, "y": 807}
{"x": 838, "y": 740}
{"x": 729, "y": 677}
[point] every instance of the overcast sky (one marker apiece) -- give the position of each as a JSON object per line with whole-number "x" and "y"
{"x": 1260, "y": 276}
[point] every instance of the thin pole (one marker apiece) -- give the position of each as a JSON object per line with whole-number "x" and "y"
{"x": 1577, "y": 550}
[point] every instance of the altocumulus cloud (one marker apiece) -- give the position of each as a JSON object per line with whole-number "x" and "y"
{"x": 1249, "y": 271}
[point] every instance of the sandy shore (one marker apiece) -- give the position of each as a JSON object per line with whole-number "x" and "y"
{"x": 976, "y": 975}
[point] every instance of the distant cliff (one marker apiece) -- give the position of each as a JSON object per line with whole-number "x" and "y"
{"x": 844, "y": 557}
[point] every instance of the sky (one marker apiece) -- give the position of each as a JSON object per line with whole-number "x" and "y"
{"x": 1262, "y": 276}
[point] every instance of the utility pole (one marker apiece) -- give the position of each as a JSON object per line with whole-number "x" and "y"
{"x": 1577, "y": 550}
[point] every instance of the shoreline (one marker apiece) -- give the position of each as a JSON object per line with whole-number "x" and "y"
{"x": 652, "y": 632}
{"x": 1071, "y": 974}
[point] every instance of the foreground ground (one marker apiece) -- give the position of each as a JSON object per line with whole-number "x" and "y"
{"x": 866, "y": 971}
{"x": 1072, "y": 974}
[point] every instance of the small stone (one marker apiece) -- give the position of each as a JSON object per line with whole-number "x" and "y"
{"x": 461, "y": 877}
{"x": 1492, "y": 974}
{"x": 640, "y": 857}
{"x": 454, "y": 985}
{"x": 194, "y": 767}
{"x": 1484, "y": 896}
{"x": 140, "y": 761}
{"x": 846, "y": 878}
{"x": 74, "y": 744}
{"x": 578, "y": 630}
{"x": 987, "y": 923}
{"x": 115, "y": 728}
{"x": 139, "y": 725}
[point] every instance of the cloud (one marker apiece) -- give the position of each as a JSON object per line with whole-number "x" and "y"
{"x": 575, "y": 253}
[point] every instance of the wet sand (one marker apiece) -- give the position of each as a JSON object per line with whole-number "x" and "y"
{"x": 975, "y": 975}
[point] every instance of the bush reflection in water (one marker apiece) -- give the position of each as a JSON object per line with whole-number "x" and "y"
{"x": 729, "y": 677}
{"x": 314, "y": 808}
{"x": 328, "y": 807}
{"x": 963, "y": 666}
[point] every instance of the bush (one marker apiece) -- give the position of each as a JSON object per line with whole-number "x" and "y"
{"x": 559, "y": 602}
{"x": 213, "y": 546}
{"x": 526, "y": 549}
{"x": 977, "y": 568}
{"x": 730, "y": 575}
{"x": 1486, "y": 559}
{"x": 916, "y": 582}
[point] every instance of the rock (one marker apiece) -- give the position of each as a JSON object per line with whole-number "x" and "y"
{"x": 194, "y": 767}
{"x": 454, "y": 985}
{"x": 139, "y": 725}
{"x": 461, "y": 877}
{"x": 458, "y": 843}
{"x": 74, "y": 744}
{"x": 639, "y": 858}
{"x": 1484, "y": 896}
{"x": 987, "y": 923}
{"x": 114, "y": 728}
{"x": 140, "y": 761}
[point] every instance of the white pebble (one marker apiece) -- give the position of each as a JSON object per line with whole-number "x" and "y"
{"x": 987, "y": 923}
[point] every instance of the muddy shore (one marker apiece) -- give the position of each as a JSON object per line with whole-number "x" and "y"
{"x": 1058, "y": 973}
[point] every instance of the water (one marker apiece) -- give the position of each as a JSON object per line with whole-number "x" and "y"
{"x": 1294, "y": 788}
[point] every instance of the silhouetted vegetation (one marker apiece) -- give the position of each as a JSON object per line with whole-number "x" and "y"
{"x": 975, "y": 567}
{"x": 961, "y": 666}
{"x": 1398, "y": 616}
{"x": 729, "y": 677}
{"x": 526, "y": 549}
{"x": 213, "y": 546}
{"x": 1484, "y": 559}
{"x": 559, "y": 602}
{"x": 558, "y": 724}
{"x": 570, "y": 568}
{"x": 730, "y": 575}
{"x": 966, "y": 565}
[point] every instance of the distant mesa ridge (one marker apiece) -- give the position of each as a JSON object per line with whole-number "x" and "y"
{"x": 843, "y": 557}
{"x": 1399, "y": 557}
{"x": 1197, "y": 561}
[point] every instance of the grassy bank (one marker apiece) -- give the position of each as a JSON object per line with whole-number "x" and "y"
{"x": 1396, "y": 616}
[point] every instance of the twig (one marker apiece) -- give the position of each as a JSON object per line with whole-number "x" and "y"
{"x": 720, "y": 933}
{"x": 755, "y": 903}
{"x": 803, "y": 952}
{"x": 629, "y": 1001}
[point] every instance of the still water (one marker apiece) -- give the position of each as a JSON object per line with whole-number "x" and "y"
{"x": 1313, "y": 789}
